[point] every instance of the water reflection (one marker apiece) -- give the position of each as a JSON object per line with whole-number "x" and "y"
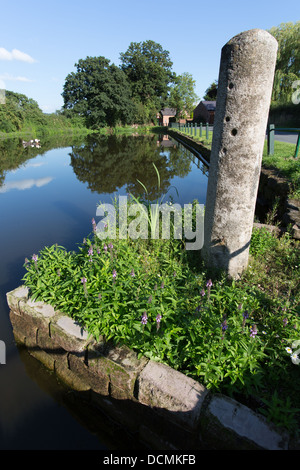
{"x": 49, "y": 195}
{"x": 107, "y": 164}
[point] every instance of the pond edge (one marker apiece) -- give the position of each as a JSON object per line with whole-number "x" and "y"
{"x": 164, "y": 408}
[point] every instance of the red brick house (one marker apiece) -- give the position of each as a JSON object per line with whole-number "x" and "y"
{"x": 205, "y": 112}
{"x": 165, "y": 115}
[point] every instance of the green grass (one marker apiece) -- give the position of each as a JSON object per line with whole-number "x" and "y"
{"x": 197, "y": 138}
{"x": 231, "y": 336}
{"x": 283, "y": 161}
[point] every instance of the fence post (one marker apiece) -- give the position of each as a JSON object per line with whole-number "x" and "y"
{"x": 207, "y": 135}
{"x": 271, "y": 138}
{"x": 297, "y": 146}
{"x": 200, "y": 129}
{"x": 244, "y": 94}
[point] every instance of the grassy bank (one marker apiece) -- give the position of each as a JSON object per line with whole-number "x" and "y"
{"x": 283, "y": 160}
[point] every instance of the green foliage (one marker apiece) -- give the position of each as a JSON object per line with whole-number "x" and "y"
{"x": 287, "y": 68}
{"x": 99, "y": 92}
{"x": 148, "y": 68}
{"x": 211, "y": 92}
{"x": 182, "y": 95}
{"x": 22, "y": 114}
{"x": 154, "y": 297}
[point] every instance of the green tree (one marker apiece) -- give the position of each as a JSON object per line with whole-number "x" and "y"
{"x": 99, "y": 92}
{"x": 287, "y": 69}
{"x": 19, "y": 112}
{"x": 211, "y": 92}
{"x": 182, "y": 95}
{"x": 149, "y": 70}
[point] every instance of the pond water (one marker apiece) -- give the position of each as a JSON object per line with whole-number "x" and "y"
{"x": 49, "y": 195}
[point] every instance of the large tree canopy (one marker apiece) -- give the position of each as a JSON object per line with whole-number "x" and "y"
{"x": 211, "y": 92}
{"x": 19, "y": 110}
{"x": 149, "y": 70}
{"x": 288, "y": 60}
{"x": 182, "y": 95}
{"x": 100, "y": 92}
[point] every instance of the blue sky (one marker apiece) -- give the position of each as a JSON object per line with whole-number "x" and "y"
{"x": 40, "y": 42}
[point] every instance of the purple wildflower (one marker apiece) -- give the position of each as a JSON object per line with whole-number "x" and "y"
{"x": 105, "y": 247}
{"x": 150, "y": 299}
{"x": 285, "y": 321}
{"x": 162, "y": 285}
{"x": 253, "y": 331}
{"x": 110, "y": 246}
{"x": 245, "y": 316}
{"x": 208, "y": 285}
{"x": 114, "y": 273}
{"x": 94, "y": 225}
{"x": 158, "y": 320}
{"x": 132, "y": 274}
{"x": 90, "y": 252}
{"x": 35, "y": 258}
{"x": 144, "y": 319}
{"x": 83, "y": 280}
{"x": 202, "y": 292}
{"x": 224, "y": 325}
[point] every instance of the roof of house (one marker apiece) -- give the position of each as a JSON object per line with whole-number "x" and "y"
{"x": 210, "y": 105}
{"x": 168, "y": 112}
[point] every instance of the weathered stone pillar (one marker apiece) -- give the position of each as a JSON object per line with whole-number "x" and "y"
{"x": 244, "y": 94}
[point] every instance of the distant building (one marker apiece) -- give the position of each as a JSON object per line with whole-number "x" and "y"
{"x": 165, "y": 115}
{"x": 205, "y": 112}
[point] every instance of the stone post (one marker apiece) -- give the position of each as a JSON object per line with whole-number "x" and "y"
{"x": 244, "y": 93}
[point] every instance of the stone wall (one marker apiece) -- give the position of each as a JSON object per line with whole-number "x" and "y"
{"x": 162, "y": 407}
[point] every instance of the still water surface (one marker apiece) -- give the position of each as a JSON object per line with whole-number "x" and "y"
{"x": 49, "y": 195}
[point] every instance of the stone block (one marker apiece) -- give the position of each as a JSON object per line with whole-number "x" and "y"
{"x": 227, "y": 424}
{"x": 36, "y": 314}
{"x": 68, "y": 376}
{"x": 170, "y": 391}
{"x": 68, "y": 334}
{"x": 99, "y": 383}
{"x": 119, "y": 364}
{"x": 13, "y": 297}
{"x": 46, "y": 359}
{"x": 25, "y": 329}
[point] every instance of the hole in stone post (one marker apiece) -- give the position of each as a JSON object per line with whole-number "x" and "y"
{"x": 234, "y": 132}
{"x": 231, "y": 85}
{"x": 227, "y": 119}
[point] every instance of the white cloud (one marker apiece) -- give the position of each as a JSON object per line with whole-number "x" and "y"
{"x": 25, "y": 184}
{"x": 15, "y": 54}
{"x": 8, "y": 77}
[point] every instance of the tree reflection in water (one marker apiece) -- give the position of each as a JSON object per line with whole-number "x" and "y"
{"x": 108, "y": 163}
